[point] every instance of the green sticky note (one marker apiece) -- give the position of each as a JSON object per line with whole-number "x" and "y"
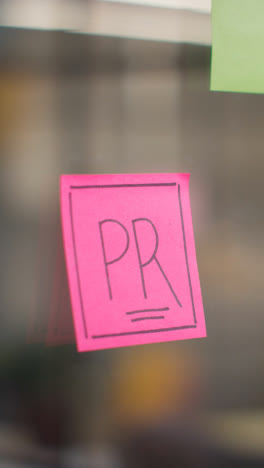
{"x": 238, "y": 46}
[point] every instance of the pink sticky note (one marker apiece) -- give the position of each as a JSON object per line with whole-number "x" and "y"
{"x": 131, "y": 259}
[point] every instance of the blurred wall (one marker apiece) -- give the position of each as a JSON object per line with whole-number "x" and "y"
{"x": 95, "y": 105}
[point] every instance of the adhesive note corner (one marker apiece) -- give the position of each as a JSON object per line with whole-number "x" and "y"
{"x": 131, "y": 261}
{"x": 237, "y": 46}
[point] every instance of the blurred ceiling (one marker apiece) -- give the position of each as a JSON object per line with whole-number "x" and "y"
{"x": 183, "y": 21}
{"x": 197, "y": 5}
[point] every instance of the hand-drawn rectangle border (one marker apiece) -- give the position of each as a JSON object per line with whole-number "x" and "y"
{"x": 170, "y": 184}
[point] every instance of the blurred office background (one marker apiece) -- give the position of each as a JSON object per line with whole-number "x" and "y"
{"x": 120, "y": 87}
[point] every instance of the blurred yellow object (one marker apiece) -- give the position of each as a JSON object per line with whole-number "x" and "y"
{"x": 150, "y": 383}
{"x": 11, "y": 86}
